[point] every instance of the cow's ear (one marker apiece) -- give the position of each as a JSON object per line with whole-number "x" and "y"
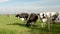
{"x": 38, "y": 14}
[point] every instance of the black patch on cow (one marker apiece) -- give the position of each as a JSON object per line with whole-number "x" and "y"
{"x": 43, "y": 16}
{"x": 54, "y": 17}
{"x": 22, "y": 15}
{"x": 58, "y": 18}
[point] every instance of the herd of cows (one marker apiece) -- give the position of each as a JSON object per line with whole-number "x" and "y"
{"x": 50, "y": 17}
{"x": 30, "y": 18}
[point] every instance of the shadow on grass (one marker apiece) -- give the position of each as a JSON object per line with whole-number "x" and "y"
{"x": 20, "y": 24}
{"x": 17, "y": 24}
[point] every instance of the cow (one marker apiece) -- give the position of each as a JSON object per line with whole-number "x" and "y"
{"x": 23, "y": 16}
{"x": 43, "y": 19}
{"x": 51, "y": 15}
{"x": 32, "y": 18}
{"x": 54, "y": 16}
{"x": 48, "y": 17}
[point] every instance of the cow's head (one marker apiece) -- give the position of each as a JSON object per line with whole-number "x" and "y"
{"x": 55, "y": 16}
{"x": 17, "y": 15}
{"x": 42, "y": 15}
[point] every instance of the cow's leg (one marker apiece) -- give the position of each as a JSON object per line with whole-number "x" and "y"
{"x": 49, "y": 24}
{"x": 49, "y": 21}
{"x": 24, "y": 21}
{"x": 42, "y": 25}
{"x": 34, "y": 23}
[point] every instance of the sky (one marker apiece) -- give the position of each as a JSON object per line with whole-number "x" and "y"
{"x": 28, "y": 6}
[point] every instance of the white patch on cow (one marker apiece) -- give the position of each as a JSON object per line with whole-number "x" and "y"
{"x": 52, "y": 13}
{"x": 44, "y": 20}
{"x": 41, "y": 15}
{"x": 22, "y": 19}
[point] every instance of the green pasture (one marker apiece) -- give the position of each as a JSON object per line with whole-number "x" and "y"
{"x": 13, "y": 25}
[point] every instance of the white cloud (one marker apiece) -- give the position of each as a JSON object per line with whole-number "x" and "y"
{"x": 3, "y": 1}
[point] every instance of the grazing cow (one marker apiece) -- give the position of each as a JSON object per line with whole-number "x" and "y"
{"x": 32, "y": 18}
{"x": 57, "y": 20}
{"x": 53, "y": 17}
{"x": 23, "y": 16}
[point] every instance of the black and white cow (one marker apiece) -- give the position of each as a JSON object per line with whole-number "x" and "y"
{"x": 32, "y": 18}
{"x": 51, "y": 15}
{"x": 43, "y": 18}
{"x": 23, "y": 16}
{"x": 54, "y": 16}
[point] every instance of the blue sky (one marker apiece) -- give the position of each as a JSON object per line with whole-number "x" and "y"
{"x": 18, "y": 6}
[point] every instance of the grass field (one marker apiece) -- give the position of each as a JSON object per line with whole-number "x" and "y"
{"x": 12, "y": 25}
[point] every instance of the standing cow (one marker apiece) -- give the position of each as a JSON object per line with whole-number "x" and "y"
{"x": 43, "y": 19}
